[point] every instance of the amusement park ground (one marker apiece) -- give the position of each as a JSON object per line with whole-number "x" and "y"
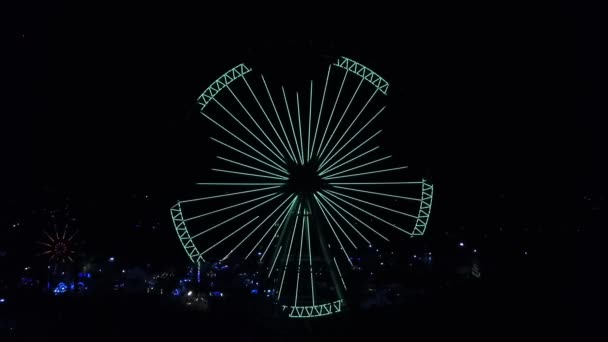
{"x": 471, "y": 312}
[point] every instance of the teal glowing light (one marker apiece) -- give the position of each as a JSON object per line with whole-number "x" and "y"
{"x": 301, "y": 190}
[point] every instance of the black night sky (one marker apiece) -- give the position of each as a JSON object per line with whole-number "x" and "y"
{"x": 501, "y": 108}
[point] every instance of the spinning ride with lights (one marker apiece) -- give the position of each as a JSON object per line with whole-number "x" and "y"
{"x": 59, "y": 246}
{"x": 301, "y": 191}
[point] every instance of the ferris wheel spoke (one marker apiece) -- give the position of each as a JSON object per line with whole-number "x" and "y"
{"x": 228, "y": 207}
{"x": 293, "y": 131}
{"x": 370, "y": 214}
{"x": 300, "y": 258}
{"x": 335, "y": 164}
{"x": 284, "y": 215}
{"x": 256, "y": 124}
{"x": 337, "y": 144}
{"x": 251, "y": 167}
{"x": 283, "y": 171}
{"x": 367, "y": 173}
{"x": 249, "y": 174}
{"x": 325, "y": 211}
{"x": 332, "y": 175}
{"x": 375, "y": 183}
{"x": 320, "y": 111}
{"x": 378, "y": 193}
{"x": 300, "y": 128}
{"x": 340, "y": 274}
{"x": 331, "y": 115}
{"x": 293, "y": 155}
{"x": 373, "y": 204}
{"x": 341, "y": 118}
{"x": 309, "y": 122}
{"x": 333, "y": 231}
{"x": 233, "y": 217}
{"x": 331, "y": 168}
{"x": 331, "y": 156}
{"x": 258, "y": 226}
{"x": 249, "y": 131}
{"x": 293, "y": 233}
{"x": 268, "y": 119}
{"x": 246, "y": 144}
{"x": 44, "y": 243}
{"x": 241, "y": 184}
{"x": 228, "y": 194}
{"x": 345, "y": 219}
{"x": 229, "y": 235}
{"x": 353, "y": 216}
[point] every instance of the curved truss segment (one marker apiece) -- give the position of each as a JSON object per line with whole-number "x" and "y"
{"x": 426, "y": 201}
{"x": 361, "y": 70}
{"x": 221, "y": 83}
{"x": 315, "y": 310}
{"x": 184, "y": 237}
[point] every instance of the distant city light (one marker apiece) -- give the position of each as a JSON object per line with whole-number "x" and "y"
{"x": 123, "y": 271}
{"x": 111, "y": 259}
{"x": 461, "y": 244}
{"x": 189, "y": 293}
{"x": 525, "y": 253}
{"x": 26, "y": 268}
{"x": 474, "y": 251}
{"x": 2, "y": 300}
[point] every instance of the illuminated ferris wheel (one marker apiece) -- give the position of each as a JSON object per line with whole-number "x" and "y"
{"x": 300, "y": 184}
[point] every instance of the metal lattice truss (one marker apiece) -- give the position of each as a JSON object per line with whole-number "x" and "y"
{"x": 221, "y": 83}
{"x": 314, "y": 310}
{"x": 303, "y": 190}
{"x": 364, "y": 72}
{"x": 184, "y": 236}
{"x": 425, "y": 208}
